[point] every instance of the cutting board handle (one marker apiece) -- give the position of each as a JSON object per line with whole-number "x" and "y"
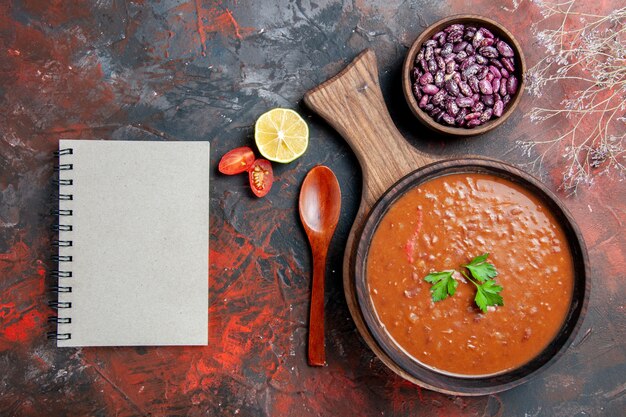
{"x": 353, "y": 104}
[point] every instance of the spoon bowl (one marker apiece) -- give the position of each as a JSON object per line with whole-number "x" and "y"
{"x": 320, "y": 205}
{"x": 320, "y": 201}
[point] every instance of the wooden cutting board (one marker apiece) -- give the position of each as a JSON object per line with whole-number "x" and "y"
{"x": 353, "y": 104}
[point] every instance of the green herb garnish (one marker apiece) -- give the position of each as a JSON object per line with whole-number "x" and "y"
{"x": 481, "y": 269}
{"x": 487, "y": 293}
{"x": 487, "y": 290}
{"x": 443, "y": 284}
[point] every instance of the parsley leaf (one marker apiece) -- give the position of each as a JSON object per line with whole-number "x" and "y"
{"x": 487, "y": 290}
{"x": 443, "y": 285}
{"x": 487, "y": 294}
{"x": 481, "y": 269}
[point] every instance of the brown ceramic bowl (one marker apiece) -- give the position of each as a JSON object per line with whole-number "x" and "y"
{"x": 498, "y": 30}
{"x": 467, "y": 384}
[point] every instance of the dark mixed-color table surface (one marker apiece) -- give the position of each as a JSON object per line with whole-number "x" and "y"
{"x": 205, "y": 70}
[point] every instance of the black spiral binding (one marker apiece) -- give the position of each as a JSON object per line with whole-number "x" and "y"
{"x": 60, "y": 260}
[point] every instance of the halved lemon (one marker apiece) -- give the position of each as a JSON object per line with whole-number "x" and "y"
{"x": 281, "y": 135}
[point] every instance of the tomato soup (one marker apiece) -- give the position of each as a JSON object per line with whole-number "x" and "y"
{"x": 441, "y": 225}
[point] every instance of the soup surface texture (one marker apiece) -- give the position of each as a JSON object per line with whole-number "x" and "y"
{"x": 441, "y": 225}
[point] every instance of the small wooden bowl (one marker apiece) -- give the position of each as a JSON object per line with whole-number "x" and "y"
{"x": 466, "y": 19}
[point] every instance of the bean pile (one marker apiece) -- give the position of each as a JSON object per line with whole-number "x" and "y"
{"x": 464, "y": 76}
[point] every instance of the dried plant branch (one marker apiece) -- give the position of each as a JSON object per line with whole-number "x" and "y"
{"x": 586, "y": 55}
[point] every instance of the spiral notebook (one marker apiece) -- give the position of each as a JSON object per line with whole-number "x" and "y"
{"x": 133, "y": 243}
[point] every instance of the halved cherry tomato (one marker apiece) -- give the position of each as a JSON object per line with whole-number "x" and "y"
{"x": 261, "y": 177}
{"x": 236, "y": 161}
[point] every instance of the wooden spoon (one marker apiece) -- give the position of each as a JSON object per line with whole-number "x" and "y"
{"x": 320, "y": 204}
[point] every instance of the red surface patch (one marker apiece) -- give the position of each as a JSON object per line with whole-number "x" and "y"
{"x": 27, "y": 327}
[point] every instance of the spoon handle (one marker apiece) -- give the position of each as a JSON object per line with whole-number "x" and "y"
{"x": 317, "y": 354}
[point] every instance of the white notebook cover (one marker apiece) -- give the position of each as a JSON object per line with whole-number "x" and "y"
{"x": 140, "y": 243}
